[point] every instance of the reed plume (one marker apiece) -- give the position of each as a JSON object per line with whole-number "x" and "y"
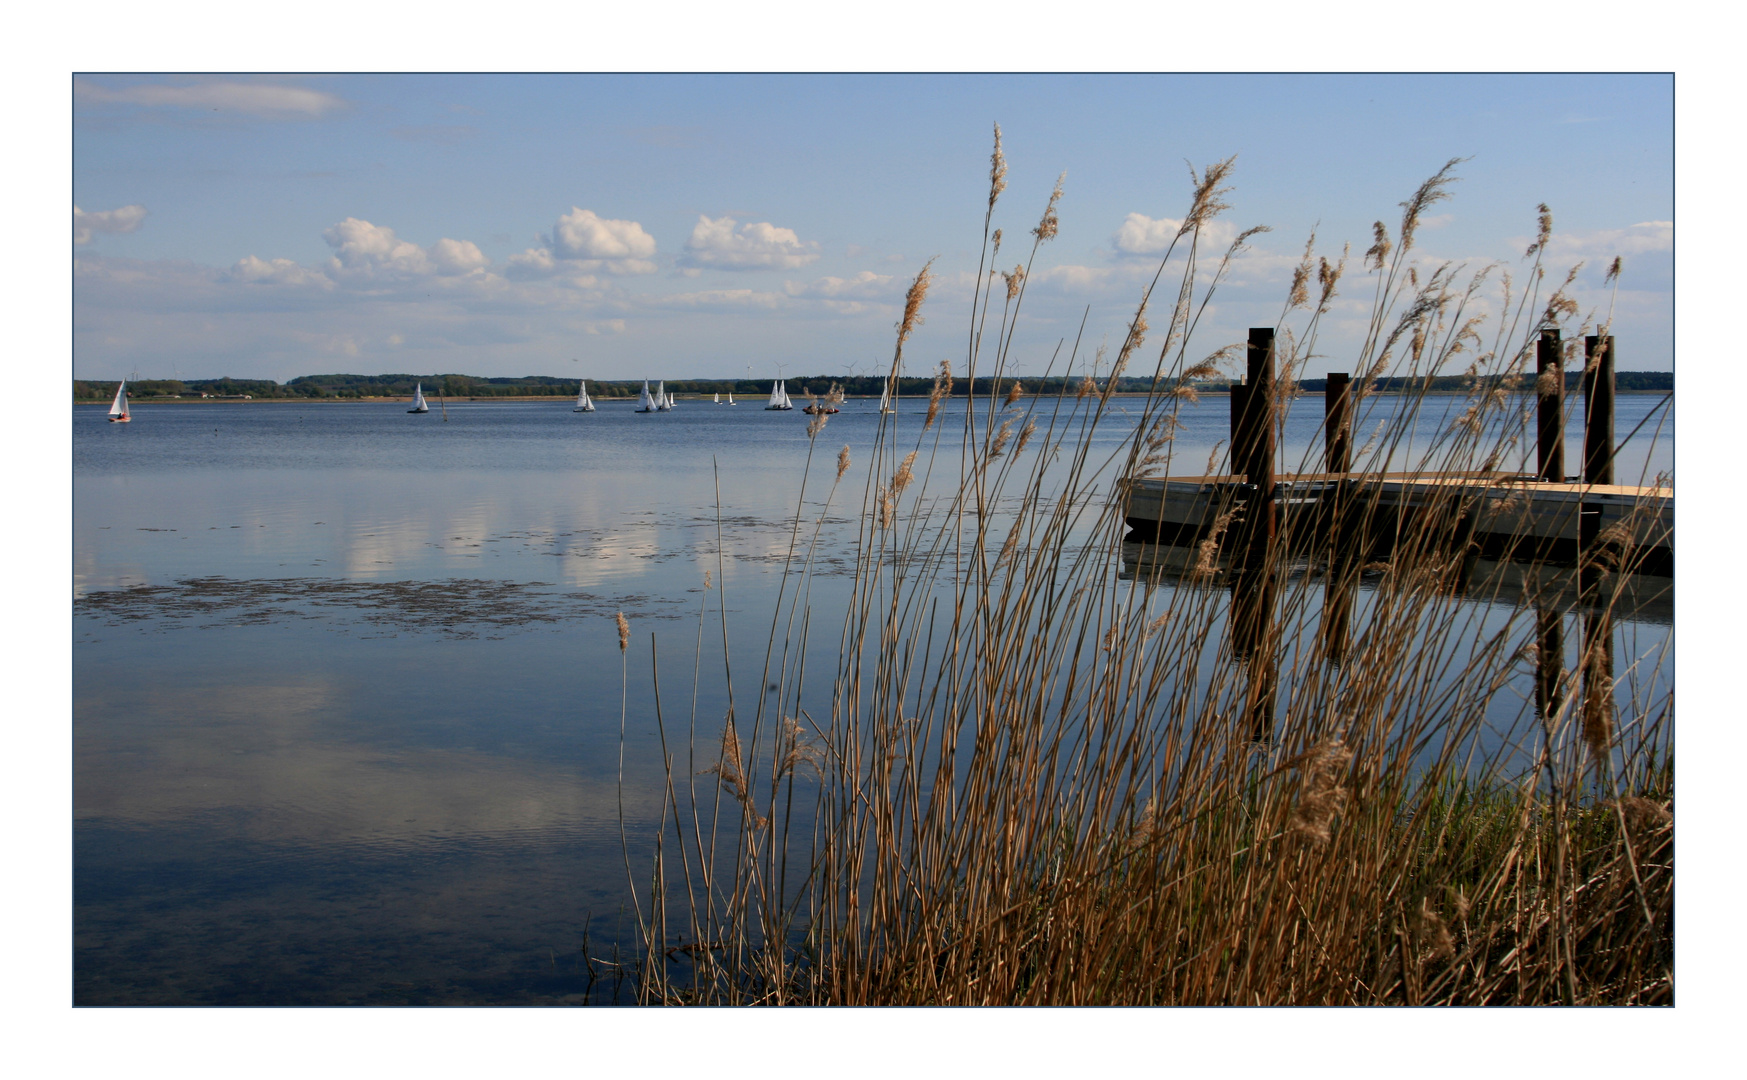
{"x": 1049, "y": 224}
{"x": 1378, "y": 253}
{"x": 997, "y": 176}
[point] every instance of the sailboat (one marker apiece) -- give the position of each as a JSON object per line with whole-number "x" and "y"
{"x": 886, "y": 399}
{"x": 118, "y": 413}
{"x": 731, "y": 400}
{"x": 663, "y": 400}
{"x": 418, "y": 399}
{"x": 779, "y": 398}
{"x": 718, "y": 400}
{"x": 827, "y": 406}
{"x": 583, "y": 404}
{"x": 644, "y": 402}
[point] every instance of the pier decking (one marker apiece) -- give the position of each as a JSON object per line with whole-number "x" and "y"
{"x": 1501, "y": 515}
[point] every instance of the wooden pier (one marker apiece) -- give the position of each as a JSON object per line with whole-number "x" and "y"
{"x": 1562, "y": 545}
{"x": 1537, "y": 517}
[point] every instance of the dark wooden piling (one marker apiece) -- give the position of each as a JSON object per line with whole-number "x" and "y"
{"x": 1550, "y": 396}
{"x": 1251, "y": 624}
{"x": 1338, "y": 586}
{"x": 1596, "y": 557}
{"x": 1598, "y": 410}
{"x": 1252, "y": 451}
{"x": 1239, "y": 399}
{"x": 1253, "y": 584}
{"x": 1337, "y": 423}
{"x": 1598, "y": 676}
{"x": 1255, "y": 452}
{"x": 1549, "y": 659}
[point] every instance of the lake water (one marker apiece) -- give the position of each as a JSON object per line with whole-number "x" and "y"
{"x": 347, "y": 685}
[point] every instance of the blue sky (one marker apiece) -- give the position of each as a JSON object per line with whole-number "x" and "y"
{"x": 673, "y": 226}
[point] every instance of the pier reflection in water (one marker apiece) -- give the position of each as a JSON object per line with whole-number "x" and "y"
{"x": 1337, "y": 595}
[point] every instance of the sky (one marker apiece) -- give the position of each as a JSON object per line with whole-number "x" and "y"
{"x": 698, "y": 226}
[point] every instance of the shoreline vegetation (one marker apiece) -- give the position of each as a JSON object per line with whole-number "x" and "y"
{"x": 1054, "y": 767}
{"x": 541, "y": 387}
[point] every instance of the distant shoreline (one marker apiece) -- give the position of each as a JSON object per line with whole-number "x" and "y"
{"x": 549, "y": 399}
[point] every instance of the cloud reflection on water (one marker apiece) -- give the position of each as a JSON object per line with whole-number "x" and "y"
{"x": 273, "y": 761}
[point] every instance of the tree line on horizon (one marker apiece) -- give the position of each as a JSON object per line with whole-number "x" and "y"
{"x": 342, "y": 387}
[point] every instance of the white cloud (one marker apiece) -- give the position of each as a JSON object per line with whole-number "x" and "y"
{"x": 1074, "y": 279}
{"x": 584, "y": 241}
{"x": 866, "y": 285}
{"x": 255, "y": 99}
{"x": 1641, "y": 239}
{"x": 532, "y": 263}
{"x": 369, "y": 251}
{"x": 457, "y": 257}
{"x": 717, "y": 244}
{"x": 124, "y": 220}
{"x": 1140, "y": 235}
{"x": 249, "y": 269}
{"x": 722, "y": 298}
{"x": 582, "y": 234}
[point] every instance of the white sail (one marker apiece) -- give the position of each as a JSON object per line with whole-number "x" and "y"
{"x": 730, "y": 397}
{"x": 418, "y": 399}
{"x": 583, "y": 404}
{"x": 787, "y": 404}
{"x": 662, "y": 401}
{"x": 118, "y": 413}
{"x": 778, "y": 399}
{"x": 644, "y": 402}
{"x": 886, "y": 398}
{"x": 718, "y": 400}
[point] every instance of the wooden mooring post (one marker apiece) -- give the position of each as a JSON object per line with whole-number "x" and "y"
{"x": 1337, "y": 423}
{"x": 1597, "y": 663}
{"x": 1252, "y": 447}
{"x": 1253, "y": 584}
{"x": 1598, "y": 410}
{"x": 1550, "y": 399}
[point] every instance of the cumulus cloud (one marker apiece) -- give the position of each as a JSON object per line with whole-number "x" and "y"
{"x": 584, "y": 241}
{"x": 717, "y": 244}
{"x": 451, "y": 257}
{"x": 255, "y": 99}
{"x": 124, "y": 220}
{"x": 251, "y": 270}
{"x": 1148, "y": 237}
{"x": 370, "y": 251}
{"x": 582, "y": 234}
{"x": 532, "y": 263}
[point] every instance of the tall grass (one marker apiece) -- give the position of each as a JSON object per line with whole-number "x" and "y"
{"x": 1056, "y": 768}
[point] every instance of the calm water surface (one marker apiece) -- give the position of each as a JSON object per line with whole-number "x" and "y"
{"x": 347, "y": 686}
